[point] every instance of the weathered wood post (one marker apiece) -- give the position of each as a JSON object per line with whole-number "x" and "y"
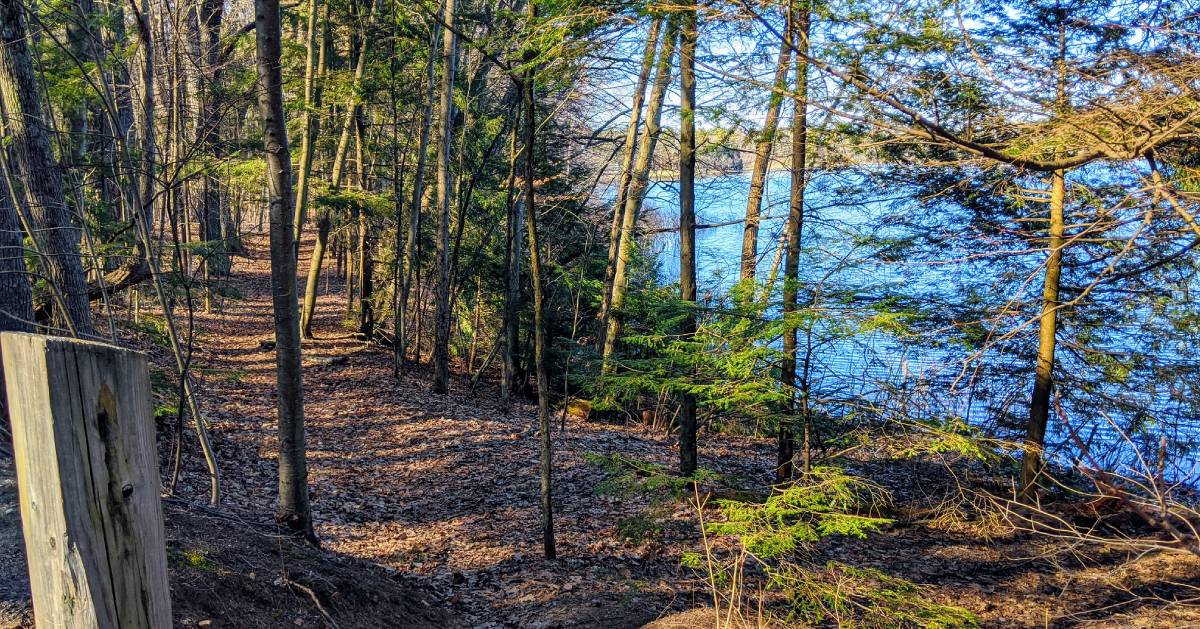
{"x": 87, "y": 472}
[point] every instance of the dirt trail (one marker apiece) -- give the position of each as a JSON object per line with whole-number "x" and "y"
{"x": 438, "y": 485}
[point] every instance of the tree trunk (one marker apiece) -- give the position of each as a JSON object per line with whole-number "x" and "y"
{"x": 441, "y": 346}
{"x": 39, "y": 174}
{"x": 687, "y": 227}
{"x": 475, "y": 314}
{"x": 638, "y": 184}
{"x": 149, "y": 168}
{"x": 400, "y": 164}
{"x": 217, "y": 261}
{"x": 1043, "y": 383}
{"x": 366, "y": 284}
{"x": 795, "y": 227}
{"x": 123, "y": 96}
{"x": 512, "y": 274}
{"x": 762, "y": 161}
{"x": 324, "y": 219}
{"x": 324, "y": 222}
{"x": 113, "y": 126}
{"x": 539, "y": 323}
{"x": 16, "y": 296}
{"x": 82, "y": 41}
{"x": 358, "y": 221}
{"x": 399, "y": 168}
{"x": 294, "y": 508}
{"x": 414, "y": 218}
{"x": 313, "y": 68}
{"x": 626, "y": 173}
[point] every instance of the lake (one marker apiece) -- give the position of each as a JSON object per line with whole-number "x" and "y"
{"x": 929, "y": 376}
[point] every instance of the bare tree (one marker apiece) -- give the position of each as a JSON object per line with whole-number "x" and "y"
{"x": 294, "y": 510}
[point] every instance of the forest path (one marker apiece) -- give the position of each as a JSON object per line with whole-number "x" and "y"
{"x": 444, "y": 486}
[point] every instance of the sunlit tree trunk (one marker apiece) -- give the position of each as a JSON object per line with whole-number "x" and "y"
{"x": 294, "y": 510}
{"x": 82, "y": 40}
{"x": 314, "y": 69}
{"x": 212, "y": 13}
{"x": 145, "y": 114}
{"x": 366, "y": 285}
{"x": 626, "y": 172}
{"x": 399, "y": 171}
{"x": 475, "y": 314}
{"x": 762, "y": 162}
{"x": 112, "y": 131}
{"x": 324, "y": 219}
{"x": 638, "y": 184}
{"x": 1043, "y": 383}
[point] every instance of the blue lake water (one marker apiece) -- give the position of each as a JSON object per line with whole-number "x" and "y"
{"x": 927, "y": 377}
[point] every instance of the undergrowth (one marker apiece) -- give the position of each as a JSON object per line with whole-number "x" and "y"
{"x": 850, "y": 596}
{"x": 756, "y": 560}
{"x": 628, "y": 477}
{"x": 827, "y": 502}
{"x": 756, "y": 556}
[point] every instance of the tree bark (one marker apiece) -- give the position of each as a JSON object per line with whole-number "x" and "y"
{"x": 39, "y": 174}
{"x": 762, "y": 161}
{"x": 83, "y": 43}
{"x": 399, "y": 168}
{"x": 798, "y": 27}
{"x": 294, "y": 510}
{"x": 313, "y": 69}
{"x": 366, "y": 266}
{"x": 441, "y": 346}
{"x": 687, "y": 227}
{"x": 539, "y": 323}
{"x": 414, "y": 217}
{"x": 512, "y": 274}
{"x": 324, "y": 218}
{"x": 217, "y": 261}
{"x": 145, "y": 113}
{"x": 637, "y": 191}
{"x": 16, "y": 296}
{"x": 626, "y": 173}
{"x": 1043, "y": 382}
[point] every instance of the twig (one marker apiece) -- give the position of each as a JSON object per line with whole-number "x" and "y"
{"x": 311, "y": 594}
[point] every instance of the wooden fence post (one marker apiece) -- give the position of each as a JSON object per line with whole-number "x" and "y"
{"x": 87, "y": 472}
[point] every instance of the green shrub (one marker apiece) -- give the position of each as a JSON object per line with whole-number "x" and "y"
{"x": 826, "y": 502}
